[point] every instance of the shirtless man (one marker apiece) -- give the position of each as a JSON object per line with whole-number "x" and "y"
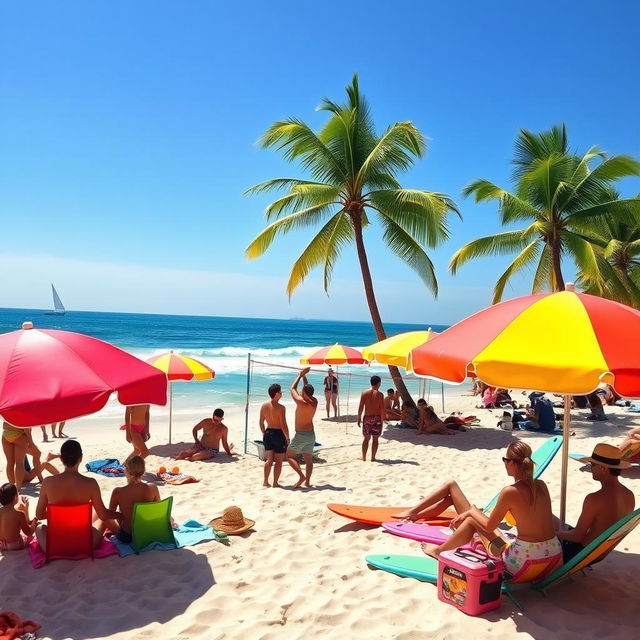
{"x": 392, "y": 406}
{"x": 372, "y": 403}
{"x": 305, "y": 437}
{"x": 602, "y": 508}
{"x": 213, "y": 433}
{"x": 123, "y": 498}
{"x": 136, "y": 423}
{"x": 276, "y": 434}
{"x": 71, "y": 487}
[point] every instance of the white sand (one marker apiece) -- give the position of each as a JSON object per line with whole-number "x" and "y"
{"x": 301, "y": 572}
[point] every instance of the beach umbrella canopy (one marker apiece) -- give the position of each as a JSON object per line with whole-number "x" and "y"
{"x": 396, "y": 349}
{"x": 563, "y": 342}
{"x": 334, "y": 354}
{"x": 50, "y": 375}
{"x": 178, "y": 367}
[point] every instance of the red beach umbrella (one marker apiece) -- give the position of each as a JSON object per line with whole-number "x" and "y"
{"x": 334, "y": 354}
{"x": 49, "y": 376}
{"x": 564, "y": 342}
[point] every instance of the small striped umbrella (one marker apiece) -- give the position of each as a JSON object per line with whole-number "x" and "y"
{"x": 334, "y": 354}
{"x": 178, "y": 367}
{"x": 564, "y": 342}
{"x": 396, "y": 349}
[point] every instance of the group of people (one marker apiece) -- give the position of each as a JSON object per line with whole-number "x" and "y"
{"x": 540, "y": 536}
{"x": 71, "y": 487}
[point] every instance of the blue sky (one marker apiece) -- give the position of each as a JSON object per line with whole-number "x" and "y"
{"x": 127, "y": 138}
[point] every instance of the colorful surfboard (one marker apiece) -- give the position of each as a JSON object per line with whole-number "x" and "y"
{"x": 378, "y": 515}
{"x": 422, "y": 568}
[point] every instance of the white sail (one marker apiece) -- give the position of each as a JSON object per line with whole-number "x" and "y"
{"x": 58, "y": 307}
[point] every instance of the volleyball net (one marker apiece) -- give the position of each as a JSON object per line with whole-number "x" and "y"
{"x": 352, "y": 380}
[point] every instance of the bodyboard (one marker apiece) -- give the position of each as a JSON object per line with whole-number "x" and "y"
{"x": 378, "y": 515}
{"x": 422, "y": 568}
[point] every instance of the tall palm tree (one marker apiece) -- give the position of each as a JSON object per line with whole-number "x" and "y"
{"x": 353, "y": 173}
{"x": 617, "y": 247}
{"x": 560, "y": 196}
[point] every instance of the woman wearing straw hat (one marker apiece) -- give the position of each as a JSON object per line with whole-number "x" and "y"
{"x": 602, "y": 508}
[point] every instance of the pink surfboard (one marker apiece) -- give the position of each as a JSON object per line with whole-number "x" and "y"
{"x": 421, "y": 532}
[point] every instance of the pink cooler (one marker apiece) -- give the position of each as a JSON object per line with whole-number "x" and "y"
{"x": 470, "y": 580}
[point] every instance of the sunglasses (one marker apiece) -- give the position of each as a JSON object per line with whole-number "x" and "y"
{"x": 505, "y": 460}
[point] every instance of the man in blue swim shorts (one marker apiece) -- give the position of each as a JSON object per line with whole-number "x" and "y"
{"x": 275, "y": 435}
{"x": 214, "y": 433}
{"x": 305, "y": 436}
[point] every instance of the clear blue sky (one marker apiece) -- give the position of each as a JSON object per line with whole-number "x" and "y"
{"x": 127, "y": 137}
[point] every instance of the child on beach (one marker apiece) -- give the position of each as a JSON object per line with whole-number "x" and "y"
{"x": 123, "y": 498}
{"x": 14, "y": 519}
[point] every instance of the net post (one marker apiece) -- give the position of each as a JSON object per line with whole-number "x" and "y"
{"x": 246, "y": 406}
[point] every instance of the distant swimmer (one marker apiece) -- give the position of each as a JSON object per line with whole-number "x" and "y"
{"x": 275, "y": 435}
{"x": 214, "y": 434}
{"x": 372, "y": 404}
{"x": 305, "y": 438}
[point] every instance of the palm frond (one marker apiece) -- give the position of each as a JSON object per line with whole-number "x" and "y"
{"x": 511, "y": 207}
{"x": 625, "y": 210}
{"x": 542, "y": 279}
{"x": 498, "y": 244}
{"x": 324, "y": 248}
{"x": 277, "y": 183}
{"x": 410, "y": 252}
{"x": 522, "y": 260}
{"x": 530, "y": 147}
{"x": 299, "y": 219}
{"x": 583, "y": 253}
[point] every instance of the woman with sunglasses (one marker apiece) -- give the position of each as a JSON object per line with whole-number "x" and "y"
{"x": 528, "y": 501}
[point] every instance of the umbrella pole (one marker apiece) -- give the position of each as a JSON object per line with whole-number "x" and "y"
{"x": 443, "y": 397}
{"x": 566, "y": 422}
{"x": 246, "y": 406}
{"x": 170, "y": 408}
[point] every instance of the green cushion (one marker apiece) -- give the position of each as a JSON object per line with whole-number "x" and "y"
{"x": 151, "y": 522}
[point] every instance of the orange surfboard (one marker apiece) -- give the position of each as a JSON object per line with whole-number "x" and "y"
{"x": 378, "y": 515}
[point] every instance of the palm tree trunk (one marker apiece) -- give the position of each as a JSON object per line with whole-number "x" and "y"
{"x": 557, "y": 267}
{"x": 373, "y": 304}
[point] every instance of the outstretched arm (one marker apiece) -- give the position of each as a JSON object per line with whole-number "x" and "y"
{"x": 302, "y": 375}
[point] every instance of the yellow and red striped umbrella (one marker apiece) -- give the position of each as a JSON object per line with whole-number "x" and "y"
{"x": 396, "y": 349}
{"x": 177, "y": 367}
{"x": 334, "y": 354}
{"x": 563, "y": 342}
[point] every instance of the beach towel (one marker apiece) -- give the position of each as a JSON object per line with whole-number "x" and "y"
{"x": 634, "y": 406}
{"x": 106, "y": 467}
{"x": 186, "y": 535}
{"x": 177, "y": 478}
{"x": 12, "y": 626}
{"x": 39, "y": 557}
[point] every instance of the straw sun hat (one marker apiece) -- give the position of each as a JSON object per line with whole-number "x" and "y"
{"x": 608, "y": 456}
{"x": 232, "y": 521}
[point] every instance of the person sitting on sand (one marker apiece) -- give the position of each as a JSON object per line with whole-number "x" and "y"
{"x": 527, "y": 499}
{"x": 409, "y": 416}
{"x": 136, "y": 424}
{"x": 489, "y": 397}
{"x": 305, "y": 437}
{"x": 456, "y": 420}
{"x": 429, "y": 422}
{"x": 71, "y": 487}
{"x": 40, "y": 467}
{"x": 503, "y": 398}
{"x": 14, "y": 519}
{"x": 372, "y": 403}
{"x": 275, "y": 436}
{"x": 208, "y": 446}
{"x": 595, "y": 404}
{"x": 602, "y": 508}
{"x": 123, "y": 498}
{"x": 540, "y": 416}
{"x": 392, "y": 406}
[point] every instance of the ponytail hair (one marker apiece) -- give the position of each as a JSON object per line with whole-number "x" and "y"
{"x": 521, "y": 452}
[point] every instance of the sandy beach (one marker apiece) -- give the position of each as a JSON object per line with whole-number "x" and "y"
{"x": 301, "y": 571}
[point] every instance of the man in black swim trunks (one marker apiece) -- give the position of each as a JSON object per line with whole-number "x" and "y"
{"x": 602, "y": 508}
{"x": 276, "y": 434}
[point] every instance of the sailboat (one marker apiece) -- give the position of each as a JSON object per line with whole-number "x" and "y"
{"x": 58, "y": 307}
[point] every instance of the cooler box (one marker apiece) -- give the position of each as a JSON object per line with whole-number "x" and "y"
{"x": 470, "y": 580}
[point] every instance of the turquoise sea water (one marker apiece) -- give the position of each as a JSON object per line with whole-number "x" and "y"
{"x": 222, "y": 344}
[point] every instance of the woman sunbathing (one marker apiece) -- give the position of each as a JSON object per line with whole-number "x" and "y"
{"x": 527, "y": 499}
{"x": 428, "y": 421}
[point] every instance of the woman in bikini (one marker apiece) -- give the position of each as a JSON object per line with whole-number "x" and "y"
{"x": 331, "y": 392}
{"x": 527, "y": 499}
{"x": 136, "y": 424}
{"x": 15, "y": 444}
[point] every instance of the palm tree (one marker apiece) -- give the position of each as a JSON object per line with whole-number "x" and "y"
{"x": 353, "y": 173}
{"x": 561, "y": 197}
{"x": 617, "y": 247}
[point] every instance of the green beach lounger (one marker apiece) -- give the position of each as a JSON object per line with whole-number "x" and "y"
{"x": 151, "y": 522}
{"x": 425, "y": 568}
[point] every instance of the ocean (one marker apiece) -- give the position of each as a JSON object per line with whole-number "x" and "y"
{"x": 222, "y": 343}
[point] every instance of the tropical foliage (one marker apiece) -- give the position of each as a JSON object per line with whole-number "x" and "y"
{"x": 566, "y": 203}
{"x": 353, "y": 181}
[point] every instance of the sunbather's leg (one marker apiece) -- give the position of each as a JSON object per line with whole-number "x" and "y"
{"x": 460, "y": 536}
{"x": 41, "y": 536}
{"x": 186, "y": 454}
{"x": 437, "y": 501}
{"x": 204, "y": 454}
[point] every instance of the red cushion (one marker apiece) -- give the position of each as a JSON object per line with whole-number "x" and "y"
{"x": 69, "y": 532}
